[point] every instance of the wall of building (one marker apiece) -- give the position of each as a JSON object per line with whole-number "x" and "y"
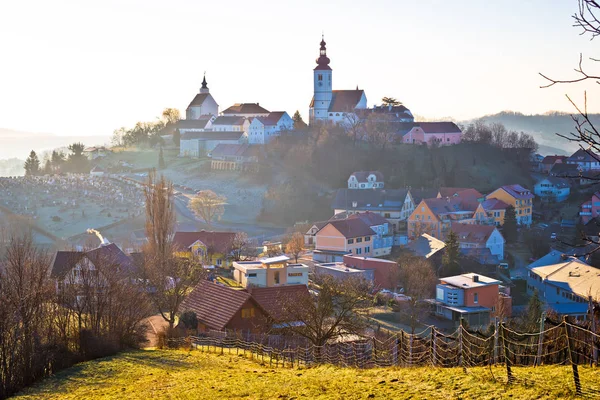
{"x": 385, "y": 272}
{"x": 487, "y": 296}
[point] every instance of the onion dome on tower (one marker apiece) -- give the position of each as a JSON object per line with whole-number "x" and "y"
{"x": 323, "y": 60}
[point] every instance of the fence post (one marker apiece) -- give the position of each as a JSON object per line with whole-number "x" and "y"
{"x": 573, "y": 364}
{"x": 401, "y": 344}
{"x": 506, "y": 355}
{"x": 460, "y": 343}
{"x": 593, "y": 327}
{"x": 538, "y": 359}
{"x": 433, "y": 347}
{"x": 496, "y": 335}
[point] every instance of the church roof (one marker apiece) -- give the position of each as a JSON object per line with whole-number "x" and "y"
{"x": 229, "y": 120}
{"x": 199, "y": 99}
{"x": 272, "y": 119}
{"x": 245, "y": 108}
{"x": 193, "y": 123}
{"x": 345, "y": 100}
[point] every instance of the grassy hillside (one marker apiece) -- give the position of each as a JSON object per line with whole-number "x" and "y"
{"x": 197, "y": 375}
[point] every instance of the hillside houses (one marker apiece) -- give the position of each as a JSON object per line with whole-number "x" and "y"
{"x": 552, "y": 189}
{"x": 481, "y": 242}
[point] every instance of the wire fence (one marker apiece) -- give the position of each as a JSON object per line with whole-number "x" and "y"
{"x": 503, "y": 350}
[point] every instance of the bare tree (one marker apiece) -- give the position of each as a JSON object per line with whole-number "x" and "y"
{"x": 379, "y": 130}
{"x": 418, "y": 280}
{"x": 242, "y": 247}
{"x": 354, "y": 126}
{"x": 208, "y": 205}
{"x": 334, "y": 312}
{"x": 295, "y": 245}
{"x": 160, "y": 216}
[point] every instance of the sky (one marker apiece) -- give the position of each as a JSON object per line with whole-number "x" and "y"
{"x": 89, "y": 67}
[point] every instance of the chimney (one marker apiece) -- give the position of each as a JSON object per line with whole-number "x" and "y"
{"x": 475, "y": 278}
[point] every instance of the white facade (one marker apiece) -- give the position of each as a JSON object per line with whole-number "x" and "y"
{"x": 202, "y": 104}
{"x": 263, "y": 130}
{"x": 322, "y": 87}
{"x": 371, "y": 183}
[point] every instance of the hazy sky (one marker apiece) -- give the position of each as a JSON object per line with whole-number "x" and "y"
{"x": 88, "y": 67}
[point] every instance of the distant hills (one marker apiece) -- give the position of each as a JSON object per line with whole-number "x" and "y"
{"x": 543, "y": 127}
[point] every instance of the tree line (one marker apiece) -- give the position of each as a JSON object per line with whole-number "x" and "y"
{"x": 59, "y": 162}
{"x": 148, "y": 133}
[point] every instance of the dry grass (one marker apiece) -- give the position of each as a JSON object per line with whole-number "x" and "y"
{"x": 196, "y": 375}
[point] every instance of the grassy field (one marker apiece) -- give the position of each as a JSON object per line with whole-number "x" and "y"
{"x": 180, "y": 374}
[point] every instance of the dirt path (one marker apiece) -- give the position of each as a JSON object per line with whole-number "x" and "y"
{"x": 156, "y": 324}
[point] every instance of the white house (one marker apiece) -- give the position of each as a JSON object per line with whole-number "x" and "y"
{"x": 365, "y": 180}
{"x": 230, "y": 124}
{"x": 202, "y": 124}
{"x": 202, "y": 104}
{"x": 479, "y": 240}
{"x": 330, "y": 105}
{"x": 587, "y": 160}
{"x": 263, "y": 129}
{"x": 197, "y": 144}
{"x": 552, "y": 188}
{"x": 269, "y": 272}
{"x": 247, "y": 110}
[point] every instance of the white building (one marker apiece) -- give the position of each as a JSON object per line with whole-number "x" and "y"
{"x": 330, "y": 105}
{"x": 365, "y": 180}
{"x": 552, "y": 189}
{"x": 198, "y": 144}
{"x": 247, "y": 110}
{"x": 230, "y": 124}
{"x": 476, "y": 240}
{"x": 263, "y": 129}
{"x": 269, "y": 272}
{"x": 202, "y": 104}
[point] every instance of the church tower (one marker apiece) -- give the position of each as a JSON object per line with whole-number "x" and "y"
{"x": 322, "y": 81}
{"x": 203, "y": 104}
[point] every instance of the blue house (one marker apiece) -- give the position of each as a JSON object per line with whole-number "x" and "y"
{"x": 552, "y": 189}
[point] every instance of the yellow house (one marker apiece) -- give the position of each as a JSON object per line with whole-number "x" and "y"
{"x": 490, "y": 212}
{"x": 211, "y": 248}
{"x": 424, "y": 220}
{"x": 518, "y": 197}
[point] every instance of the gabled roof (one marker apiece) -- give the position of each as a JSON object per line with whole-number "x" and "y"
{"x": 371, "y": 199}
{"x": 272, "y": 119}
{"x": 370, "y": 218}
{"x": 518, "y": 191}
{"x": 550, "y": 160}
{"x": 109, "y": 254}
{"x": 345, "y": 100}
{"x": 64, "y": 261}
{"x": 423, "y": 193}
{"x": 215, "y": 305}
{"x": 451, "y": 191}
{"x": 193, "y": 123}
{"x": 220, "y": 242}
{"x": 362, "y": 176}
{"x": 212, "y": 135}
{"x": 199, "y": 99}
{"x": 426, "y": 245}
{"x": 229, "y": 120}
{"x": 449, "y": 205}
{"x": 352, "y": 228}
{"x": 583, "y": 156}
{"x": 471, "y": 233}
{"x": 564, "y": 169}
{"x": 494, "y": 204}
{"x": 245, "y": 108}
{"x": 469, "y": 198}
{"x": 272, "y": 299}
{"x": 574, "y": 276}
{"x": 439, "y": 127}
{"x": 235, "y": 150}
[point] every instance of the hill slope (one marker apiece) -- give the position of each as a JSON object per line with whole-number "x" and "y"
{"x": 197, "y": 375}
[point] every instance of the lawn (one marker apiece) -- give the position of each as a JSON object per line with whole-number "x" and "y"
{"x": 178, "y": 374}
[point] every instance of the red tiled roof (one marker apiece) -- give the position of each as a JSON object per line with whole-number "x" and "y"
{"x": 220, "y": 242}
{"x": 352, "y": 228}
{"x": 550, "y": 160}
{"x": 369, "y": 218}
{"x": 245, "y": 108}
{"x": 345, "y": 100}
{"x": 214, "y": 304}
{"x": 450, "y": 191}
{"x": 439, "y": 127}
{"x": 470, "y": 233}
{"x": 494, "y": 204}
{"x": 271, "y": 299}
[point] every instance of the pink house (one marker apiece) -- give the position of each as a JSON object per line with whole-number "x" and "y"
{"x": 590, "y": 209}
{"x": 441, "y": 133}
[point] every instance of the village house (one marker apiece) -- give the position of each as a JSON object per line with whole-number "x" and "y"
{"x": 230, "y": 124}
{"x": 388, "y": 113}
{"x": 95, "y": 152}
{"x": 590, "y": 209}
{"x": 549, "y": 161}
{"x": 262, "y": 130}
{"x": 566, "y": 287}
{"x": 490, "y": 212}
{"x": 269, "y": 271}
{"x": 472, "y": 297}
{"x": 247, "y": 110}
{"x": 365, "y": 180}
{"x": 384, "y": 272}
{"x": 552, "y": 189}
{"x": 210, "y": 248}
{"x": 482, "y": 242}
{"x": 340, "y": 270}
{"x": 234, "y": 157}
{"x": 383, "y": 239}
{"x": 199, "y": 144}
{"x": 433, "y": 133}
{"x": 518, "y": 197}
{"x": 587, "y": 160}
{"x": 341, "y": 237}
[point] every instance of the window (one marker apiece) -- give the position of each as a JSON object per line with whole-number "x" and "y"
{"x": 367, "y": 249}
{"x": 295, "y": 274}
{"x": 219, "y": 262}
{"x": 358, "y": 240}
{"x": 251, "y": 275}
{"x": 247, "y": 312}
{"x": 350, "y": 241}
{"x": 387, "y": 215}
{"x": 320, "y": 77}
{"x": 368, "y": 239}
{"x": 493, "y": 308}
{"x": 358, "y": 251}
{"x": 475, "y": 298}
{"x": 276, "y": 277}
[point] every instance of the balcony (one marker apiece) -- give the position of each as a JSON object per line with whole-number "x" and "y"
{"x": 585, "y": 213}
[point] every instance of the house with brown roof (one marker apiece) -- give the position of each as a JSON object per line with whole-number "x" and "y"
{"x": 340, "y": 237}
{"x": 248, "y": 110}
{"x": 549, "y": 161}
{"x": 479, "y": 240}
{"x": 263, "y": 129}
{"x": 230, "y": 124}
{"x": 433, "y": 133}
{"x": 519, "y": 197}
{"x": 234, "y": 157}
{"x": 201, "y": 143}
{"x": 211, "y": 248}
{"x": 587, "y": 160}
{"x": 202, "y": 104}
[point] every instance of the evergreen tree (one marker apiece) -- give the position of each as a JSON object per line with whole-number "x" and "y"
{"x": 509, "y": 228}
{"x": 298, "y": 122}
{"x": 58, "y": 160}
{"x": 77, "y": 161}
{"x": 177, "y": 137}
{"x": 161, "y": 159}
{"x": 32, "y": 164}
{"x": 450, "y": 259}
{"x": 48, "y": 167}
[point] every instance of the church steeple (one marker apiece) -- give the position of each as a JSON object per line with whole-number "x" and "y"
{"x": 204, "y": 88}
{"x": 323, "y": 60}
{"x": 322, "y": 81}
